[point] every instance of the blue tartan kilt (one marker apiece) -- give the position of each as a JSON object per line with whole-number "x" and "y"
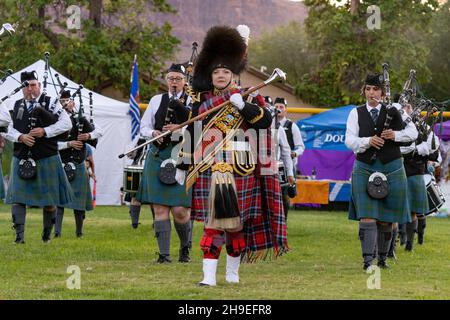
{"x": 417, "y": 195}
{"x": 393, "y": 208}
{"x": 81, "y": 189}
{"x": 2, "y": 185}
{"x": 50, "y": 187}
{"x": 152, "y": 190}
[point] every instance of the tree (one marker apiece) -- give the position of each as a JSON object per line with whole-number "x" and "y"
{"x": 439, "y": 59}
{"x": 101, "y": 52}
{"x": 286, "y": 48}
{"x": 347, "y": 49}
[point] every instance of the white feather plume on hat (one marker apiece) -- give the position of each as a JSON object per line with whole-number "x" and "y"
{"x": 244, "y": 31}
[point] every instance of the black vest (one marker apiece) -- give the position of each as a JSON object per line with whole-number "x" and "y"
{"x": 390, "y": 150}
{"x": 43, "y": 147}
{"x": 290, "y": 137}
{"x": 71, "y": 154}
{"x": 177, "y": 116}
{"x": 161, "y": 113}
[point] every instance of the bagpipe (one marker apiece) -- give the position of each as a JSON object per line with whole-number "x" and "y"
{"x": 43, "y": 116}
{"x": 425, "y": 113}
{"x": 277, "y": 74}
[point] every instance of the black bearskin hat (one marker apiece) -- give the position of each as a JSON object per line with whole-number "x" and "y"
{"x": 223, "y": 47}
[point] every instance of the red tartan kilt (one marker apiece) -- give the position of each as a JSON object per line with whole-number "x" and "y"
{"x": 248, "y": 192}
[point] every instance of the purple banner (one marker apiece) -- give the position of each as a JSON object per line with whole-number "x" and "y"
{"x": 334, "y": 165}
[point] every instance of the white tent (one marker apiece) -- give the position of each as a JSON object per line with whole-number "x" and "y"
{"x": 109, "y": 114}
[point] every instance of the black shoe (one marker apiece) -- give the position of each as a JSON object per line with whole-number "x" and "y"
{"x": 382, "y": 264}
{"x": 420, "y": 238}
{"x": 57, "y": 235}
{"x": 392, "y": 255}
{"x": 367, "y": 265}
{"x": 184, "y": 255}
{"x": 135, "y": 225}
{"x": 46, "y": 235}
{"x": 19, "y": 240}
{"x": 201, "y": 284}
{"x": 409, "y": 246}
{"x": 402, "y": 239}
{"x": 80, "y": 235}
{"x": 164, "y": 259}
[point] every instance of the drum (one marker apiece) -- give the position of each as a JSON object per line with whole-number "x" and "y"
{"x": 132, "y": 178}
{"x": 435, "y": 196}
{"x": 282, "y": 173}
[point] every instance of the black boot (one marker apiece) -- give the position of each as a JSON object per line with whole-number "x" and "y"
{"x": 164, "y": 259}
{"x": 48, "y": 219}
{"x": 79, "y": 219}
{"x": 411, "y": 229}
{"x": 46, "y": 235}
{"x": 384, "y": 241}
{"x": 402, "y": 233}
{"x": 18, "y": 217}
{"x": 184, "y": 255}
{"x": 134, "y": 215}
{"x": 59, "y": 221}
{"x": 421, "y": 225}
{"x": 19, "y": 233}
{"x": 393, "y": 245}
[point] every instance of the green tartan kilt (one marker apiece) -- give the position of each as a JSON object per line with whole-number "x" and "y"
{"x": 393, "y": 208}
{"x": 81, "y": 189}
{"x": 50, "y": 187}
{"x": 152, "y": 190}
{"x": 417, "y": 194}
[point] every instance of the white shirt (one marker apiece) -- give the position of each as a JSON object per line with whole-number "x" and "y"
{"x": 361, "y": 144}
{"x": 299, "y": 146}
{"x": 62, "y": 125}
{"x": 5, "y": 117}
{"x": 148, "y": 120}
{"x": 284, "y": 151}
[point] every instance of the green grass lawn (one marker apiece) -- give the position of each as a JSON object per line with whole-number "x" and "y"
{"x": 118, "y": 262}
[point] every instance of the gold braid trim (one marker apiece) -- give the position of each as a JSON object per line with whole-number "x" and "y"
{"x": 258, "y": 117}
{"x": 195, "y": 96}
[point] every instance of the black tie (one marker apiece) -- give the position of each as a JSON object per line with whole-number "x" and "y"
{"x": 31, "y": 105}
{"x": 374, "y": 115}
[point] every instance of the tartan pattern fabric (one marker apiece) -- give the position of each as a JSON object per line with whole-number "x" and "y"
{"x": 393, "y": 208}
{"x": 417, "y": 194}
{"x": 248, "y": 193}
{"x": 211, "y": 101}
{"x": 267, "y": 230}
{"x": 2, "y": 186}
{"x": 81, "y": 189}
{"x": 259, "y": 198}
{"x": 152, "y": 190}
{"x": 49, "y": 188}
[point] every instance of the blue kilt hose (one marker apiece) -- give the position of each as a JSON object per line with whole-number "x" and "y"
{"x": 152, "y": 190}
{"x": 50, "y": 187}
{"x": 81, "y": 189}
{"x": 417, "y": 195}
{"x": 393, "y": 208}
{"x": 2, "y": 185}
